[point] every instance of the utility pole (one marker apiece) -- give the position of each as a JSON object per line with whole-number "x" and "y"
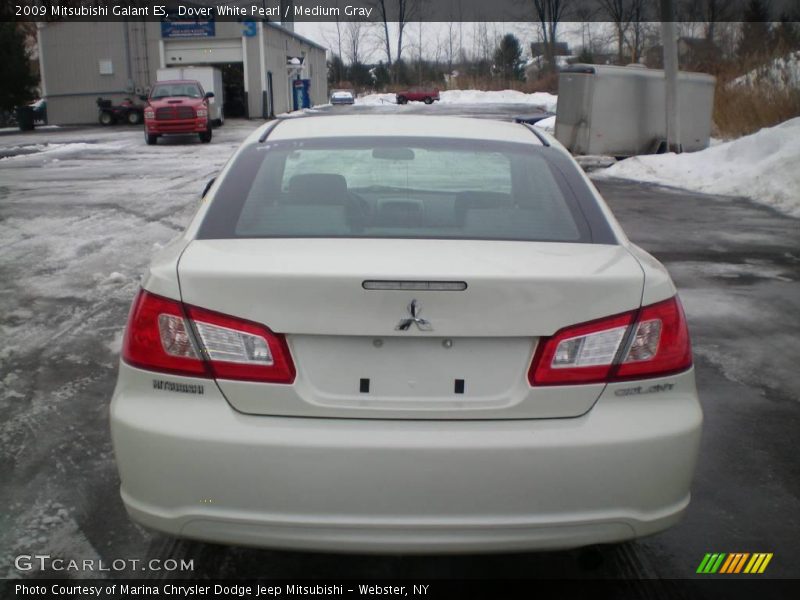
{"x": 669, "y": 38}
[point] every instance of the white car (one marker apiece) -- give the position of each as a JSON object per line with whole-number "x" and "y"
{"x": 342, "y": 97}
{"x": 405, "y": 334}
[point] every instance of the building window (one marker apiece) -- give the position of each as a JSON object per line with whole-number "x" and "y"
{"x": 106, "y": 67}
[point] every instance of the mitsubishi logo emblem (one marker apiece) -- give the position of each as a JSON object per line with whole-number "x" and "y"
{"x": 414, "y": 310}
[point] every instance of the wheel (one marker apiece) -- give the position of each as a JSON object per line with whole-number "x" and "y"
{"x": 402, "y": 100}
{"x": 428, "y": 100}
{"x": 106, "y": 118}
{"x": 205, "y": 137}
{"x": 150, "y": 138}
{"x": 134, "y": 117}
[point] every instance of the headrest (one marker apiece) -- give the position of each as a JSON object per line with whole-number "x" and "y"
{"x": 486, "y": 200}
{"x": 318, "y": 188}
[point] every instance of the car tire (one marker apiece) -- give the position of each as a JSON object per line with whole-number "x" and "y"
{"x": 150, "y": 138}
{"x": 205, "y": 137}
{"x": 402, "y": 100}
{"x": 106, "y": 118}
{"x": 428, "y": 100}
{"x": 134, "y": 117}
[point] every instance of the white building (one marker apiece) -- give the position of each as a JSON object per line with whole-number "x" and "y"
{"x": 80, "y": 61}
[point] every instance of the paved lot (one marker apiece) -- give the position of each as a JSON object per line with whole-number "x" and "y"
{"x": 82, "y": 210}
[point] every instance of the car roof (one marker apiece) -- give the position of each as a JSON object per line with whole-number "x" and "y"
{"x": 397, "y": 126}
{"x": 177, "y": 81}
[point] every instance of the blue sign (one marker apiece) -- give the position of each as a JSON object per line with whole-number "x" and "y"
{"x": 174, "y": 28}
{"x": 249, "y": 28}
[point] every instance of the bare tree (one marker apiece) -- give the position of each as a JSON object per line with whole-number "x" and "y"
{"x": 418, "y": 47}
{"x": 353, "y": 38}
{"x": 407, "y": 10}
{"x": 585, "y": 15}
{"x": 621, "y": 13}
{"x": 549, "y": 14}
{"x": 450, "y": 51}
{"x": 640, "y": 28}
{"x": 714, "y": 12}
{"x": 386, "y": 40}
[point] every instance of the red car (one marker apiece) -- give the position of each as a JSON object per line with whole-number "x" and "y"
{"x": 428, "y": 96}
{"x": 177, "y": 107}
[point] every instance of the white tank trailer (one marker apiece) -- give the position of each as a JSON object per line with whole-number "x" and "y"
{"x": 619, "y": 111}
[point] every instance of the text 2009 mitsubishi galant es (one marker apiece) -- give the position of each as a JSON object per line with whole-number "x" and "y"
{"x": 405, "y": 334}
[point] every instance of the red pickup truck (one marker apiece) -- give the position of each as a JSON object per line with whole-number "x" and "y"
{"x": 177, "y": 107}
{"x": 428, "y": 96}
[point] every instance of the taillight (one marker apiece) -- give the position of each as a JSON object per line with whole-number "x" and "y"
{"x": 650, "y": 342}
{"x": 660, "y": 344}
{"x": 164, "y": 335}
{"x": 239, "y": 349}
{"x": 158, "y": 338}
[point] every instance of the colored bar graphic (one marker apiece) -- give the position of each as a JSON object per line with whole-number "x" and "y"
{"x": 757, "y": 558}
{"x": 728, "y": 564}
{"x": 717, "y": 564}
{"x": 741, "y": 562}
{"x": 704, "y": 563}
{"x": 733, "y": 563}
{"x": 764, "y": 564}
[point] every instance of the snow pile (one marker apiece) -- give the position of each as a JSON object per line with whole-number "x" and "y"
{"x": 542, "y": 99}
{"x": 762, "y": 166}
{"x": 58, "y": 149}
{"x": 783, "y": 72}
{"x": 303, "y": 113}
{"x": 373, "y": 99}
{"x": 548, "y": 124}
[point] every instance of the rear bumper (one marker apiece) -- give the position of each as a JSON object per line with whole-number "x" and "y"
{"x": 193, "y": 467}
{"x": 177, "y": 126}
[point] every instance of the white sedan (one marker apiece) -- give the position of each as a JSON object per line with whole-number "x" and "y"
{"x": 342, "y": 97}
{"x": 405, "y": 334}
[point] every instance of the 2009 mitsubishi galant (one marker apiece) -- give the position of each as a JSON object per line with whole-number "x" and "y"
{"x": 405, "y": 334}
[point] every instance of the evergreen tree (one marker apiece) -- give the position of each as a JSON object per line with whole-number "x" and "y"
{"x": 358, "y": 74}
{"x": 336, "y": 71}
{"x": 508, "y": 58}
{"x": 18, "y": 83}
{"x": 382, "y": 76}
{"x": 586, "y": 56}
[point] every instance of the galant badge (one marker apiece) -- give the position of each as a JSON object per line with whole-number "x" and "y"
{"x": 414, "y": 310}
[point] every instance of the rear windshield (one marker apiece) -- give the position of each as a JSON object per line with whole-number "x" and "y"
{"x": 397, "y": 188}
{"x": 166, "y": 90}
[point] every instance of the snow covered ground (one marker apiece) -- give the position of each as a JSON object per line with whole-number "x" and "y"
{"x": 81, "y": 212}
{"x": 539, "y": 99}
{"x": 764, "y": 167}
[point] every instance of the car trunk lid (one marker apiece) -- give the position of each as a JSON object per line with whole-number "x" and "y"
{"x": 437, "y": 352}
